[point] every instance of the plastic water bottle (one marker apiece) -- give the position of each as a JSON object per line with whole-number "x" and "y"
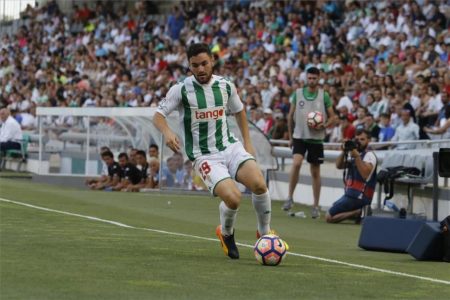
{"x": 299, "y": 214}
{"x": 391, "y": 205}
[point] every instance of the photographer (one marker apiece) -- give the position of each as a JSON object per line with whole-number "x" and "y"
{"x": 359, "y": 176}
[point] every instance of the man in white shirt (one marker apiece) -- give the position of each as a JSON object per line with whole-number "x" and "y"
{"x": 406, "y": 131}
{"x": 10, "y": 132}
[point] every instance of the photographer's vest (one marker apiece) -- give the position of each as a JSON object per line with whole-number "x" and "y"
{"x": 302, "y": 109}
{"x": 355, "y": 185}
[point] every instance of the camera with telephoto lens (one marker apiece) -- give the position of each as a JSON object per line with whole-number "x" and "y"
{"x": 350, "y": 145}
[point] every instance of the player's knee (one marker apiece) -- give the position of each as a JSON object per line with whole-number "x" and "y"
{"x": 259, "y": 187}
{"x": 297, "y": 164}
{"x": 232, "y": 198}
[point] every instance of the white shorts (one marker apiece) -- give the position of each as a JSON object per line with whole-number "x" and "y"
{"x": 213, "y": 168}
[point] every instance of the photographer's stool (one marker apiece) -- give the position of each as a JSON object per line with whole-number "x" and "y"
{"x": 388, "y": 234}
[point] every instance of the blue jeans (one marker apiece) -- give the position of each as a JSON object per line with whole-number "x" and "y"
{"x": 345, "y": 204}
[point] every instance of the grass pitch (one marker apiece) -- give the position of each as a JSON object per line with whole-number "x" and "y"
{"x": 49, "y": 255}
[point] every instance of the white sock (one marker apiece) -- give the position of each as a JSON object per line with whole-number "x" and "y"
{"x": 262, "y": 205}
{"x": 227, "y": 218}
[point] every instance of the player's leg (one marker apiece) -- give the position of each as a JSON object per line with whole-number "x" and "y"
{"x": 316, "y": 186}
{"x": 216, "y": 177}
{"x": 299, "y": 150}
{"x": 231, "y": 197}
{"x": 227, "y": 190}
{"x": 250, "y": 175}
{"x": 315, "y": 158}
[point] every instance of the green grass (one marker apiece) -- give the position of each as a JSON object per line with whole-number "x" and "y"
{"x": 46, "y": 255}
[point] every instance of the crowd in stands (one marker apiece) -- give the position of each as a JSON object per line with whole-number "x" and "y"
{"x": 384, "y": 64}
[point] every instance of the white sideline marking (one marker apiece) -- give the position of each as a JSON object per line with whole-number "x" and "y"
{"x": 240, "y": 244}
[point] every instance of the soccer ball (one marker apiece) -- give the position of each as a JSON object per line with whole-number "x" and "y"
{"x": 315, "y": 118}
{"x": 270, "y": 250}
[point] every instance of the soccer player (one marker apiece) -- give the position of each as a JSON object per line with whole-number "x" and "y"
{"x": 201, "y": 100}
{"x": 129, "y": 174}
{"x": 144, "y": 168}
{"x": 113, "y": 170}
{"x": 305, "y": 139}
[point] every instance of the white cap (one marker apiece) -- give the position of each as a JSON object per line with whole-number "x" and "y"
{"x": 267, "y": 111}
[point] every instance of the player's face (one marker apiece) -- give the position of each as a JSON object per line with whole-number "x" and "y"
{"x": 141, "y": 160}
{"x": 201, "y": 66}
{"x": 108, "y": 160}
{"x": 123, "y": 162}
{"x": 313, "y": 80}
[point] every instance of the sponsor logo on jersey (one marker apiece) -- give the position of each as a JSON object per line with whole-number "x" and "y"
{"x": 208, "y": 114}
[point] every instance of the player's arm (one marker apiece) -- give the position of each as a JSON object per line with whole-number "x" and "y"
{"x": 172, "y": 140}
{"x": 172, "y": 100}
{"x": 332, "y": 117}
{"x": 291, "y": 115}
{"x": 237, "y": 108}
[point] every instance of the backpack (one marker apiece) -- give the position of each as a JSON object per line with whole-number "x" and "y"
{"x": 387, "y": 178}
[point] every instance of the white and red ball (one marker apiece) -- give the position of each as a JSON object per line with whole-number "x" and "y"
{"x": 270, "y": 250}
{"x": 314, "y": 119}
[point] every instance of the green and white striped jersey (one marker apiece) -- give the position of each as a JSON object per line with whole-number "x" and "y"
{"x": 202, "y": 110}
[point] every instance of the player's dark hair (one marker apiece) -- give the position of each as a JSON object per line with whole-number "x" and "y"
{"x": 154, "y": 146}
{"x": 313, "y": 70}
{"x": 104, "y": 149}
{"x": 107, "y": 153}
{"x": 196, "y": 49}
{"x": 141, "y": 152}
{"x": 123, "y": 154}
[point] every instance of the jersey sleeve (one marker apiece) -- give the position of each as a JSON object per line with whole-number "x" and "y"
{"x": 171, "y": 101}
{"x": 235, "y": 104}
{"x": 327, "y": 100}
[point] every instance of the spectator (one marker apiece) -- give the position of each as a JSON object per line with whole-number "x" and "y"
{"x": 257, "y": 118}
{"x": 10, "y": 133}
{"x": 407, "y": 131}
{"x": 153, "y": 151}
{"x": 280, "y": 129}
{"x": 360, "y": 48}
{"x": 386, "y": 130}
{"x": 444, "y": 129}
{"x": 169, "y": 174}
{"x": 372, "y": 127}
{"x": 268, "y": 121}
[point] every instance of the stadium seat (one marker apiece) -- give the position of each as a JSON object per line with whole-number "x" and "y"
{"x": 18, "y": 155}
{"x": 388, "y": 234}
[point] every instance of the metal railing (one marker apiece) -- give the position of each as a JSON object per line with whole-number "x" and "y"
{"x": 332, "y": 150}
